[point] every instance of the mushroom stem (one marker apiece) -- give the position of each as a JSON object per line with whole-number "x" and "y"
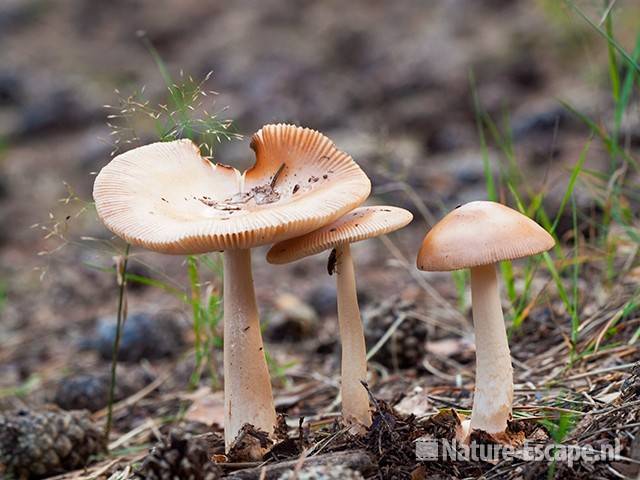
{"x": 494, "y": 374}
{"x": 247, "y": 389}
{"x": 355, "y": 399}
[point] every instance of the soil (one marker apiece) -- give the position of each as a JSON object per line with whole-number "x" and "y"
{"x": 389, "y": 82}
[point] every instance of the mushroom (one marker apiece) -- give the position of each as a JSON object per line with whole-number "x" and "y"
{"x": 166, "y": 197}
{"x": 477, "y": 235}
{"x": 360, "y": 224}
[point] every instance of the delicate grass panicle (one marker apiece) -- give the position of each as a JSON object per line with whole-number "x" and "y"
{"x": 188, "y": 111}
{"x": 185, "y": 112}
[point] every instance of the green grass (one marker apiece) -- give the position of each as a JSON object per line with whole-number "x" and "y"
{"x": 196, "y": 309}
{"x": 611, "y": 189}
{"x": 278, "y": 371}
{"x": 3, "y": 295}
{"x": 183, "y": 115}
{"x": 207, "y": 313}
{"x": 22, "y": 390}
{"x": 461, "y": 279}
{"x": 121, "y": 277}
{"x": 559, "y": 431}
{"x": 621, "y": 161}
{"x": 606, "y": 33}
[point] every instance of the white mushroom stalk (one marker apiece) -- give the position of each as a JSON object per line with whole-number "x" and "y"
{"x": 493, "y": 396}
{"x": 360, "y": 224}
{"x": 247, "y": 389}
{"x": 355, "y": 399}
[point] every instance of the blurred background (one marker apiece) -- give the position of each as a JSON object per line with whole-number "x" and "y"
{"x": 429, "y": 97}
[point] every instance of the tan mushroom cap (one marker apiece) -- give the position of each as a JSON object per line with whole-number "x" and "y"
{"x": 359, "y": 224}
{"x": 168, "y": 198}
{"x": 481, "y": 233}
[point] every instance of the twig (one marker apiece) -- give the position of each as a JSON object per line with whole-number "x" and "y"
{"x": 133, "y": 399}
{"x": 422, "y": 208}
{"x": 610, "y": 429}
{"x": 299, "y": 464}
{"x": 614, "y": 319}
{"x": 602, "y": 370}
{"x": 432, "y": 292}
{"x": 432, "y": 320}
{"x": 322, "y": 445}
{"x": 390, "y": 331}
{"x": 148, "y": 425}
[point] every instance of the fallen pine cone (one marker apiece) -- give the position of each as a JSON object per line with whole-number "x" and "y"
{"x": 406, "y": 347}
{"x": 179, "y": 456}
{"x": 90, "y": 391}
{"x": 144, "y": 335}
{"x": 86, "y": 392}
{"x": 40, "y": 444}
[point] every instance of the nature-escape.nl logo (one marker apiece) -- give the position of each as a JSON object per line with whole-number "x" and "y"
{"x": 435, "y": 449}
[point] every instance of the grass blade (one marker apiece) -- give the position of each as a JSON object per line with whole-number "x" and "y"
{"x": 121, "y": 272}
{"x": 575, "y": 172}
{"x": 486, "y": 162}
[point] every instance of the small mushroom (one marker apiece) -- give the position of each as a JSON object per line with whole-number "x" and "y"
{"x": 360, "y": 224}
{"x": 166, "y": 197}
{"x": 477, "y": 236}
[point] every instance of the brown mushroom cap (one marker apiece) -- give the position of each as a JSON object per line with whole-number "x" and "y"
{"x": 168, "y": 198}
{"x": 481, "y": 233}
{"x": 359, "y": 224}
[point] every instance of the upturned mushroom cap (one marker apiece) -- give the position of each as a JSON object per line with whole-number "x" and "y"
{"x": 481, "y": 233}
{"x": 359, "y": 224}
{"x": 168, "y": 198}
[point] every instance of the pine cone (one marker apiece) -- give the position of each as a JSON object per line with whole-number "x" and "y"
{"x": 39, "y": 444}
{"x": 179, "y": 456}
{"x": 144, "y": 335}
{"x": 406, "y": 347}
{"x": 91, "y": 391}
{"x": 84, "y": 392}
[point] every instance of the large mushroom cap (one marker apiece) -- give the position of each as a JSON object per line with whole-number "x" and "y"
{"x": 481, "y": 233}
{"x": 359, "y": 224}
{"x": 168, "y": 198}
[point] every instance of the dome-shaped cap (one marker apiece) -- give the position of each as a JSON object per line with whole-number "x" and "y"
{"x": 359, "y": 224}
{"x": 481, "y": 233}
{"x": 168, "y": 198}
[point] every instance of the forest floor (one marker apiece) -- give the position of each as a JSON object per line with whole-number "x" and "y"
{"x": 400, "y": 101}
